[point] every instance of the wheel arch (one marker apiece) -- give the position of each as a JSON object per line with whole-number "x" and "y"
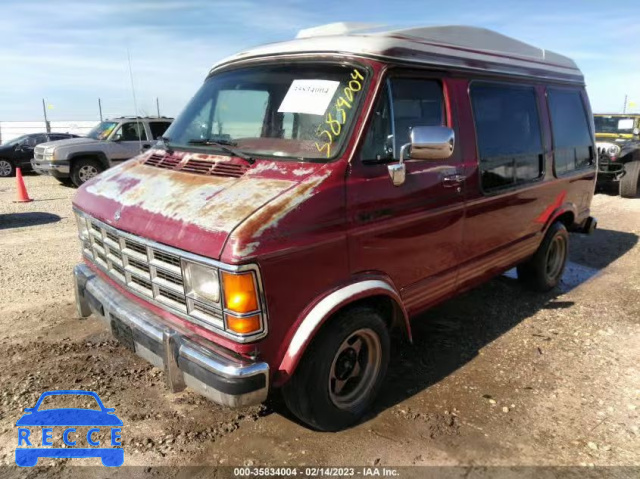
{"x": 560, "y": 210}
{"x": 378, "y": 292}
{"x": 566, "y": 216}
{"x": 93, "y": 155}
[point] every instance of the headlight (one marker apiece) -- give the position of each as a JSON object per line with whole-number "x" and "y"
{"x": 233, "y": 295}
{"x": 242, "y": 303}
{"x": 83, "y": 230}
{"x": 613, "y": 150}
{"x": 50, "y": 154}
{"x": 202, "y": 282}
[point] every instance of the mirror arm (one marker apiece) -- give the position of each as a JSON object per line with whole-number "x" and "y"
{"x": 403, "y": 148}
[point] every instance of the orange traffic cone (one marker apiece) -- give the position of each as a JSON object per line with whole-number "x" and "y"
{"x": 23, "y": 197}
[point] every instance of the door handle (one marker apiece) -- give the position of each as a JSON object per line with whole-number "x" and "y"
{"x": 453, "y": 181}
{"x": 144, "y": 147}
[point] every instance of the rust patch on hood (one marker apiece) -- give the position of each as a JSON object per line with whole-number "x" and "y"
{"x": 212, "y": 203}
{"x": 249, "y": 232}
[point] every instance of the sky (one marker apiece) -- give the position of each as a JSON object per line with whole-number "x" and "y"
{"x": 73, "y": 52}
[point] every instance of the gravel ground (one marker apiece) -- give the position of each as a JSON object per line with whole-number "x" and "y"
{"x": 496, "y": 377}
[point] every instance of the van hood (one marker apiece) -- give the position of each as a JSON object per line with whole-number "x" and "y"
{"x": 160, "y": 197}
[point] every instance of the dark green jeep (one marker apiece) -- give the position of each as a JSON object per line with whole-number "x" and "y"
{"x": 618, "y": 143}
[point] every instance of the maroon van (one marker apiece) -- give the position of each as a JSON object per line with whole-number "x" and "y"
{"x": 316, "y": 193}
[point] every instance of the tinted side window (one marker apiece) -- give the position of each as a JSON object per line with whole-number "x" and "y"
{"x": 133, "y": 131}
{"x": 508, "y": 134}
{"x": 415, "y": 103}
{"x": 54, "y": 137}
{"x": 572, "y": 142}
{"x": 158, "y": 128}
{"x": 31, "y": 140}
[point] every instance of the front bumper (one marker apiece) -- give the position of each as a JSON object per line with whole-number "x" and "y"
{"x": 57, "y": 169}
{"x": 204, "y": 367}
{"x": 609, "y": 170}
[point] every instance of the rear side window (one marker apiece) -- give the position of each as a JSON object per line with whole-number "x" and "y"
{"x": 508, "y": 133}
{"x": 58, "y": 137}
{"x": 158, "y": 128}
{"x": 572, "y": 144}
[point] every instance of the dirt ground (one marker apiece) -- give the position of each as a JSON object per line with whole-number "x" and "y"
{"x": 497, "y": 377}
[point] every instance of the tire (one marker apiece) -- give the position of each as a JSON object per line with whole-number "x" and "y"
{"x": 544, "y": 270}
{"x": 318, "y": 393}
{"x": 7, "y": 168}
{"x": 630, "y": 182}
{"x": 84, "y": 169}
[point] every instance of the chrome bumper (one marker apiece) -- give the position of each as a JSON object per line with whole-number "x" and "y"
{"x": 208, "y": 370}
{"x": 49, "y": 167}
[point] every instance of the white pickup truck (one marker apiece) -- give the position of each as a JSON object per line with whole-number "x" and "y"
{"x": 109, "y": 143}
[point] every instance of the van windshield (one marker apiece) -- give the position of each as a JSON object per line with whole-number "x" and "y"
{"x": 300, "y": 111}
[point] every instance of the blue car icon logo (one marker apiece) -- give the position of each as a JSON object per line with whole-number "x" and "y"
{"x": 70, "y": 418}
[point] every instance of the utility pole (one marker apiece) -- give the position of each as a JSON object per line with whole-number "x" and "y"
{"x": 47, "y": 125}
{"x": 100, "y": 108}
{"x": 624, "y": 107}
{"x": 158, "y": 106}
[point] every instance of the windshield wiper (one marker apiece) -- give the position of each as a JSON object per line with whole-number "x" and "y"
{"x": 224, "y": 146}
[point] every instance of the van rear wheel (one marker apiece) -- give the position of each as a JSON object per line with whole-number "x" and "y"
{"x": 544, "y": 270}
{"x": 341, "y": 372}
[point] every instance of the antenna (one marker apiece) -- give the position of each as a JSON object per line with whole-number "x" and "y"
{"x": 135, "y": 103}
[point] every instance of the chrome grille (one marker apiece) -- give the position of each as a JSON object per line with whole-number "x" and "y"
{"x": 149, "y": 271}
{"x": 153, "y": 272}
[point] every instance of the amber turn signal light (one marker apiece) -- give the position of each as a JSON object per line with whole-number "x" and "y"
{"x": 247, "y": 325}
{"x": 240, "y": 295}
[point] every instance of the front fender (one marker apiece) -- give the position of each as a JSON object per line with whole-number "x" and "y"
{"x": 100, "y": 155}
{"x": 312, "y": 318}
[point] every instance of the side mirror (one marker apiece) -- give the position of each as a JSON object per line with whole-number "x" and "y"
{"x": 636, "y": 132}
{"x": 430, "y": 143}
{"x": 427, "y": 143}
{"x": 117, "y": 138}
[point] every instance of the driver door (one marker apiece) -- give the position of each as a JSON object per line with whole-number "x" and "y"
{"x": 411, "y": 232}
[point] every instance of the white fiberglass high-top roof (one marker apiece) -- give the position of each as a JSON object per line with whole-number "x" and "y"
{"x": 454, "y": 46}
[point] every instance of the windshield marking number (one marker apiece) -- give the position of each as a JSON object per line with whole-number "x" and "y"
{"x": 334, "y": 125}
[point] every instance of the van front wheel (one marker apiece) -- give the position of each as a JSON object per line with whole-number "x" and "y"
{"x": 341, "y": 373}
{"x": 544, "y": 270}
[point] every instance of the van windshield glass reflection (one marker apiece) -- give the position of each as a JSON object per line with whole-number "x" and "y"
{"x": 301, "y": 111}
